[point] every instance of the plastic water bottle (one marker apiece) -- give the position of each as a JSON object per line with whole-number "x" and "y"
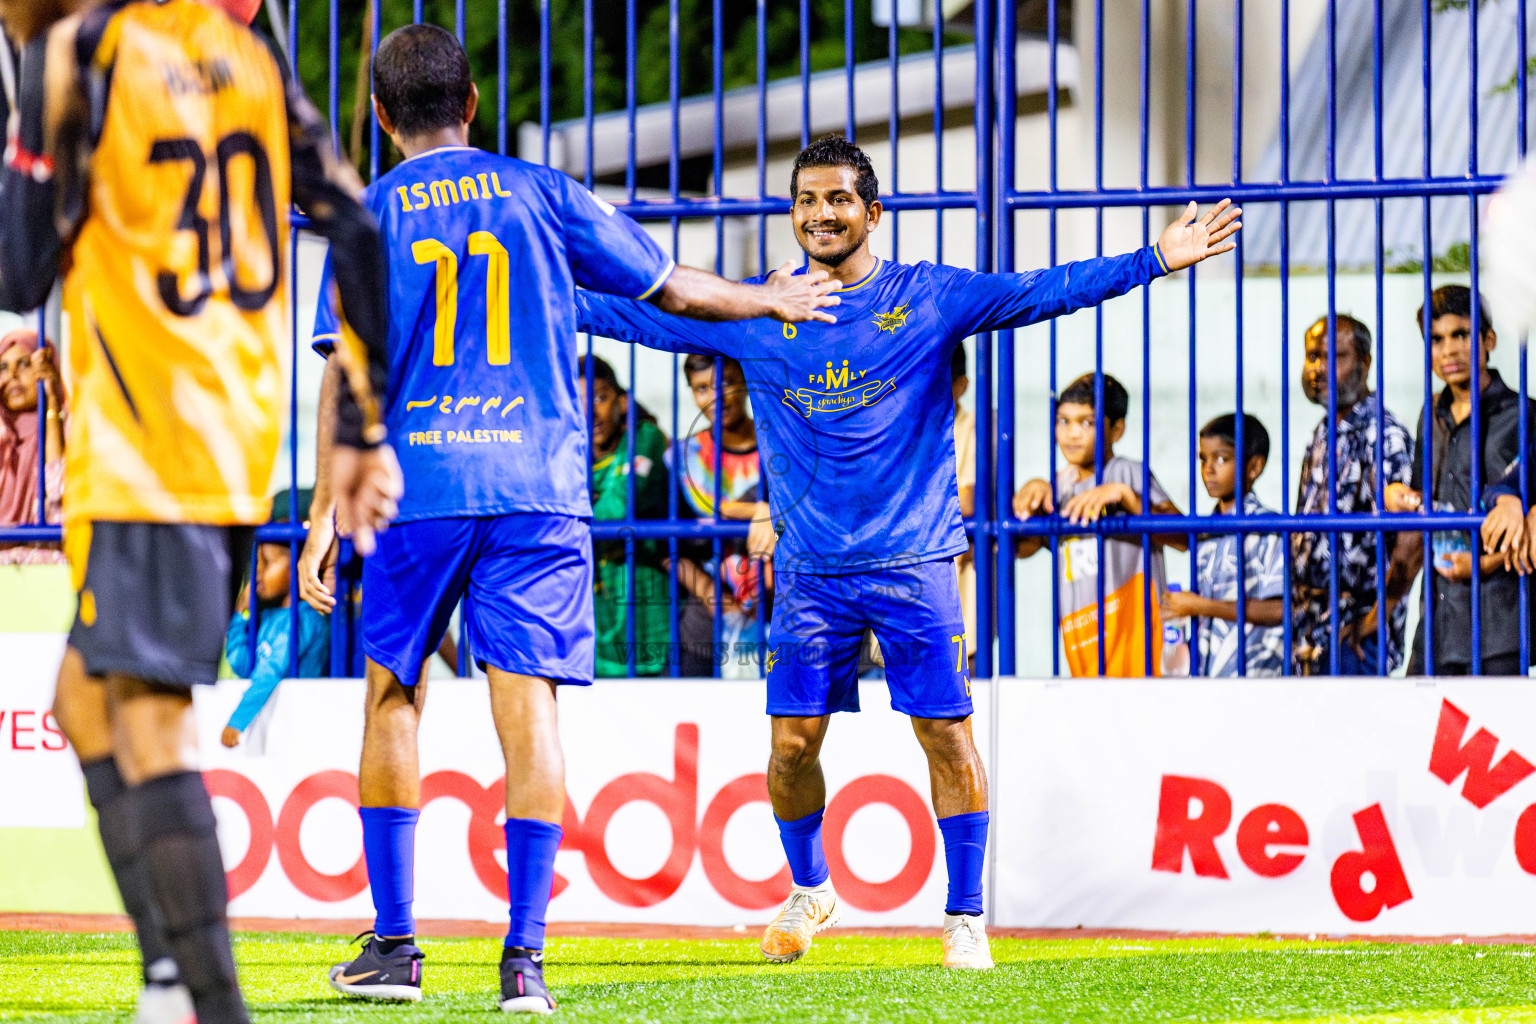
{"x": 1176, "y": 643}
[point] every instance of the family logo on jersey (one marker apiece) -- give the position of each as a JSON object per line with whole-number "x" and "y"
{"x": 892, "y": 320}
{"x": 845, "y": 389}
{"x": 447, "y": 192}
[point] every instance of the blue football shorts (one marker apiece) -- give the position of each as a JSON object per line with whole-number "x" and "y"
{"x": 527, "y": 583}
{"x": 818, "y": 627}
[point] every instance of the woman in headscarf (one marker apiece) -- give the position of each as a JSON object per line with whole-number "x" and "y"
{"x": 23, "y": 364}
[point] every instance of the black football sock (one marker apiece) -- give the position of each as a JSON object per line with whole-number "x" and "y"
{"x": 173, "y": 818}
{"x": 388, "y": 946}
{"x": 105, "y": 787}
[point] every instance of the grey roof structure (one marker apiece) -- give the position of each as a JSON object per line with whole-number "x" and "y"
{"x": 1402, "y": 130}
{"x": 916, "y": 73}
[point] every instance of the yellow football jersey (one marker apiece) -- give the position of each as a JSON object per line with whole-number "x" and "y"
{"x": 176, "y": 282}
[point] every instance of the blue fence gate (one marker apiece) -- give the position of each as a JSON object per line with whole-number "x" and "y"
{"x": 1360, "y": 137}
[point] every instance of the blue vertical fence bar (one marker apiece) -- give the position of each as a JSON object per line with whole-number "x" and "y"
{"x": 1006, "y": 118}
{"x": 1191, "y": 71}
{"x": 1381, "y": 327}
{"x": 1427, "y": 537}
{"x": 1521, "y": 98}
{"x": 1100, "y": 423}
{"x": 985, "y": 533}
{"x": 1144, "y": 61}
{"x": 1334, "y": 541}
{"x": 632, "y": 597}
{"x": 1477, "y": 329}
{"x": 717, "y": 424}
{"x": 1287, "y": 634}
{"x": 1053, "y": 38}
{"x": 674, "y": 651}
{"x": 1240, "y": 429}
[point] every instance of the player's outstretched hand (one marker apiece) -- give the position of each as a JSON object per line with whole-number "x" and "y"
{"x": 367, "y": 484}
{"x": 315, "y": 560}
{"x": 1192, "y": 238}
{"x": 799, "y": 297}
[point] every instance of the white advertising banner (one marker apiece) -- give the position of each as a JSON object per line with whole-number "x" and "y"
{"x": 1333, "y": 806}
{"x": 666, "y": 819}
{"x": 1384, "y": 806}
{"x": 40, "y": 783}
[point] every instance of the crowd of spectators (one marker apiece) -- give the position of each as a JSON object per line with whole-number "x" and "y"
{"x": 1337, "y": 590}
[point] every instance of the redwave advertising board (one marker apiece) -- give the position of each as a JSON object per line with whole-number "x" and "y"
{"x": 1353, "y": 806}
{"x": 1383, "y": 806}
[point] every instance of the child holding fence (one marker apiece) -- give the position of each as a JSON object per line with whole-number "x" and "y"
{"x": 1128, "y": 626}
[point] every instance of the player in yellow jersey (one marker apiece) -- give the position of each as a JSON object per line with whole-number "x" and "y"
{"x": 153, "y": 149}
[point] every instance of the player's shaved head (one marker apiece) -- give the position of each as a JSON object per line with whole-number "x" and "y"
{"x": 421, "y": 78}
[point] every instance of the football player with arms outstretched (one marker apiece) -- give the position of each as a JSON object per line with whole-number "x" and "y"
{"x": 864, "y": 508}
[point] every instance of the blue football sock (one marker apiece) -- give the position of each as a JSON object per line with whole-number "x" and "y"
{"x": 965, "y": 850}
{"x": 802, "y": 845}
{"x": 389, "y": 846}
{"x": 531, "y": 846}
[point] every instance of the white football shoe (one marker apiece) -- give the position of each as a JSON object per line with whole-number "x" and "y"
{"x": 806, "y": 912}
{"x": 965, "y": 943}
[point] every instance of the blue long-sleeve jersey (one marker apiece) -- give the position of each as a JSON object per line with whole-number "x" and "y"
{"x": 270, "y": 664}
{"x": 855, "y": 419}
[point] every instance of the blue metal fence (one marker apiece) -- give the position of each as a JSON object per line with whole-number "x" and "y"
{"x": 996, "y": 203}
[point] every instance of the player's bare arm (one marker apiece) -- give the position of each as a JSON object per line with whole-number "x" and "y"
{"x": 319, "y": 554}
{"x": 786, "y": 296}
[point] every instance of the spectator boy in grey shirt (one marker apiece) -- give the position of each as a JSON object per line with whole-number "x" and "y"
{"x": 1128, "y": 625}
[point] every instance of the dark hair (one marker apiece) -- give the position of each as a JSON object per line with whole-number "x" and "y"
{"x": 602, "y": 372}
{"x": 836, "y": 151}
{"x": 421, "y": 77}
{"x": 1255, "y": 437}
{"x": 1359, "y": 334}
{"x": 957, "y": 363}
{"x": 1456, "y": 300}
{"x": 1080, "y": 392}
{"x": 701, "y": 362}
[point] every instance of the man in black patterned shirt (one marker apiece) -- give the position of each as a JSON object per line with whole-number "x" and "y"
{"x": 1355, "y": 490}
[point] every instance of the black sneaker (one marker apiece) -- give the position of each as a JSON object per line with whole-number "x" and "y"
{"x": 522, "y": 982}
{"x": 395, "y": 975}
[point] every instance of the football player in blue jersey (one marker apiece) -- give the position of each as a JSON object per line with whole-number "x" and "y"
{"x": 856, "y": 420}
{"x": 483, "y": 255}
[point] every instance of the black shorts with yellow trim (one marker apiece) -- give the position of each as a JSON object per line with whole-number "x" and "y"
{"x": 155, "y": 599}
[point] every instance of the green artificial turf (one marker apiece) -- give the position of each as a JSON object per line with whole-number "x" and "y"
{"x": 90, "y": 978}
